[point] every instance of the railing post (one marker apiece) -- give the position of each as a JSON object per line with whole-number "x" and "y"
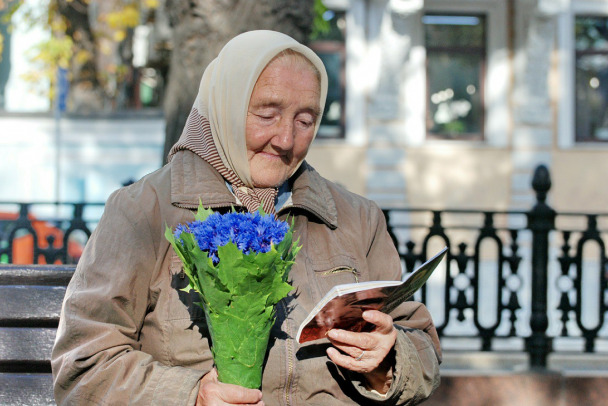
{"x": 541, "y": 220}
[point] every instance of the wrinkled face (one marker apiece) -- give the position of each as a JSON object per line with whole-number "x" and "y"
{"x": 281, "y": 118}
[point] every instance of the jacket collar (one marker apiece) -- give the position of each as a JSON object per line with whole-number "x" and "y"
{"x": 192, "y": 179}
{"x": 309, "y": 191}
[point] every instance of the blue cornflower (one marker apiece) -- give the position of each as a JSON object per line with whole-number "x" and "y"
{"x": 181, "y": 228}
{"x": 250, "y": 232}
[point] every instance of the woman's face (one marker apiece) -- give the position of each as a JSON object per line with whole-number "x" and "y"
{"x": 281, "y": 119}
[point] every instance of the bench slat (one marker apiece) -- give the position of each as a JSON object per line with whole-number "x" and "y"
{"x": 51, "y": 275}
{"x": 26, "y": 389}
{"x": 21, "y": 348}
{"x": 30, "y": 306}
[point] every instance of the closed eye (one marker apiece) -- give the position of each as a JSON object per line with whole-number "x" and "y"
{"x": 306, "y": 120}
{"x": 265, "y": 118}
{"x": 306, "y": 124}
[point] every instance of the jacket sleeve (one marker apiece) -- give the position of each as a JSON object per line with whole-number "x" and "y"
{"x": 97, "y": 358}
{"x": 417, "y": 349}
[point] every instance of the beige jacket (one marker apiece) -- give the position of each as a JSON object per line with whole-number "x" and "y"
{"x": 128, "y": 335}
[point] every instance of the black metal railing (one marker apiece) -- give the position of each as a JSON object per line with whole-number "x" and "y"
{"x": 534, "y": 281}
{"x": 37, "y": 233}
{"x": 530, "y": 280}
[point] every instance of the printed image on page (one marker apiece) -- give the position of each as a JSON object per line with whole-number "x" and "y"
{"x": 345, "y": 312}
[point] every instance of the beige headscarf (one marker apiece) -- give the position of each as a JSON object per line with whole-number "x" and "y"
{"x": 215, "y": 129}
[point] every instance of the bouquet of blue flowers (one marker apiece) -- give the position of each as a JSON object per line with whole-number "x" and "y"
{"x": 239, "y": 264}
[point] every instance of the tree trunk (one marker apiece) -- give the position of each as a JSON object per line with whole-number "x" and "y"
{"x": 85, "y": 92}
{"x": 202, "y": 27}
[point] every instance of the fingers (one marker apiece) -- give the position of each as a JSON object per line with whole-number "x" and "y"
{"x": 363, "y": 352}
{"x": 343, "y": 338}
{"x": 353, "y": 351}
{"x": 382, "y": 321}
{"x": 215, "y": 393}
{"x": 364, "y": 365}
{"x": 355, "y": 358}
{"x": 383, "y": 332}
{"x": 210, "y": 376}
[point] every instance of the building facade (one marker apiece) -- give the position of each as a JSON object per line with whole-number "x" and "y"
{"x": 453, "y": 103}
{"x": 433, "y": 103}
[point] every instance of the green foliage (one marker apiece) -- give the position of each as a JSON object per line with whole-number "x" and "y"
{"x": 238, "y": 296}
{"x": 65, "y": 49}
{"x": 320, "y": 26}
{"x": 7, "y": 9}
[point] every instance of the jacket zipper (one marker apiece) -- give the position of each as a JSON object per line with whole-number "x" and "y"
{"x": 289, "y": 356}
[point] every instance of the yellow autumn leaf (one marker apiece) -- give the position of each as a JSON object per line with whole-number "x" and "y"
{"x": 113, "y": 19}
{"x": 58, "y": 25}
{"x": 131, "y": 16}
{"x": 128, "y": 17}
{"x": 120, "y": 35}
{"x": 151, "y": 3}
{"x": 82, "y": 56}
{"x": 105, "y": 47}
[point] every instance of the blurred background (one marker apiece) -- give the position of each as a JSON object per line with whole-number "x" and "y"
{"x": 436, "y": 103}
{"x": 441, "y": 111}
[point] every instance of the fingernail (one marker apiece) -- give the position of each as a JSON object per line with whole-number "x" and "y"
{"x": 333, "y": 334}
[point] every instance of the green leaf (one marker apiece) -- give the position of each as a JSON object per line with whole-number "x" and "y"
{"x": 187, "y": 288}
{"x": 202, "y": 213}
{"x": 231, "y": 268}
{"x": 285, "y": 245}
{"x": 280, "y": 290}
{"x": 265, "y": 261}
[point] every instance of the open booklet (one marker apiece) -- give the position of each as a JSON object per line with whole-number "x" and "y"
{"x": 343, "y": 306}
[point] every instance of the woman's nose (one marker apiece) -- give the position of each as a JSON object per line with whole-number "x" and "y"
{"x": 284, "y": 139}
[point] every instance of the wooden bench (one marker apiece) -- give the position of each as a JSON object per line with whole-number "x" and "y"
{"x": 30, "y": 304}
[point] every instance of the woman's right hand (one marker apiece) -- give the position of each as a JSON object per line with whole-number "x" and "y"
{"x": 215, "y": 393}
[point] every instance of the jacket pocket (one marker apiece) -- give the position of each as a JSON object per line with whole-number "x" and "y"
{"x": 336, "y": 270}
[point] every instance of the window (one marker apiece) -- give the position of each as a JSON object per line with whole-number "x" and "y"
{"x": 330, "y": 47}
{"x": 455, "y": 67}
{"x": 591, "y": 78}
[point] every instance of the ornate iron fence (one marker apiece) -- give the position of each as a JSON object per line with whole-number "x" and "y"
{"x": 35, "y": 233}
{"x": 533, "y": 281}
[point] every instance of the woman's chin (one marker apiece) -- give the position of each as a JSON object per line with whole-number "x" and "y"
{"x": 268, "y": 181}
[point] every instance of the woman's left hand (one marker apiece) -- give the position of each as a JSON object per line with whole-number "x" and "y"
{"x": 367, "y": 353}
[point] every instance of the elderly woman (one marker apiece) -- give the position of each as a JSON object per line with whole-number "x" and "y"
{"x": 128, "y": 334}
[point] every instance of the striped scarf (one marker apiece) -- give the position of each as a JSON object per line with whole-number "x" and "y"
{"x": 197, "y": 138}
